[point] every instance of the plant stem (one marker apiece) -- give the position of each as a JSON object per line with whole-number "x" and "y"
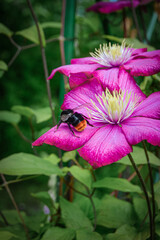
{"x": 151, "y": 184}
{"x": 94, "y": 208}
{"x": 146, "y": 194}
{"x": 15, "y": 205}
{"x": 136, "y": 21}
{"x": 43, "y": 60}
{"x": 4, "y": 219}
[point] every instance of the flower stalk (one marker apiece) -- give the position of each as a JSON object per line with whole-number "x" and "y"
{"x": 146, "y": 195}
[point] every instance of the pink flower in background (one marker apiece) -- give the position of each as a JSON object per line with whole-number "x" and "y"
{"x": 108, "y": 63}
{"x": 119, "y": 118}
{"x": 109, "y": 7}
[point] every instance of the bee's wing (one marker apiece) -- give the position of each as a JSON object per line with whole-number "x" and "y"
{"x": 81, "y": 106}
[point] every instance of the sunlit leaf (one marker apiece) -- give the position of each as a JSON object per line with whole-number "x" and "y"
{"x": 51, "y": 25}
{"x": 32, "y": 34}
{"x": 73, "y": 216}
{"x": 22, "y": 110}
{"x": 27, "y": 164}
{"x": 59, "y": 234}
{"x": 3, "y": 66}
{"x": 82, "y": 175}
{"x": 5, "y": 30}
{"x": 119, "y": 184}
{"x": 135, "y": 43}
{"x": 52, "y": 158}
{"x": 140, "y": 158}
{"x": 42, "y": 114}
{"x": 67, "y": 156}
{"x": 10, "y": 117}
{"x": 113, "y": 212}
{"x": 88, "y": 235}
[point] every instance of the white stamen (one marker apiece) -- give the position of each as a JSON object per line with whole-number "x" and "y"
{"x": 112, "y": 55}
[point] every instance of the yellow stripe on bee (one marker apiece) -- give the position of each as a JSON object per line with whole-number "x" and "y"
{"x": 81, "y": 126}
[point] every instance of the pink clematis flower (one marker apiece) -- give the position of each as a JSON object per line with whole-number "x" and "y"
{"x": 119, "y": 118}
{"x": 108, "y": 63}
{"x": 109, "y": 7}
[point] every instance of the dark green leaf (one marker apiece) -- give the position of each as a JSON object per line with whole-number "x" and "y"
{"x": 125, "y": 232}
{"x": 157, "y": 193}
{"x": 140, "y": 158}
{"x": 140, "y": 207}
{"x": 82, "y": 175}
{"x": 83, "y": 234}
{"x": 12, "y": 216}
{"x": 10, "y": 117}
{"x": 117, "y": 184}
{"x": 45, "y": 198}
{"x": 67, "y": 156}
{"x": 4, "y": 235}
{"x": 51, "y": 25}
{"x": 113, "y": 212}
{"x": 73, "y": 216}
{"x": 58, "y": 233}
{"x": 27, "y": 164}
{"x": 32, "y": 34}
{"x": 5, "y": 30}
{"x": 3, "y": 66}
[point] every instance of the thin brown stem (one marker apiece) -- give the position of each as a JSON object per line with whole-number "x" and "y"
{"x": 21, "y": 134}
{"x": 15, "y": 205}
{"x": 14, "y": 57}
{"x": 70, "y": 186}
{"x": 94, "y": 208}
{"x": 151, "y": 185}
{"x": 145, "y": 193}
{"x": 136, "y": 21}
{"x": 4, "y": 219}
{"x": 61, "y": 41}
{"x": 43, "y": 60}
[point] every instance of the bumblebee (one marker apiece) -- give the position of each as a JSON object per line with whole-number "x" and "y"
{"x": 77, "y": 120}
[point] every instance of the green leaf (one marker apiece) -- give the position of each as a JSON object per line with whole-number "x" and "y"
{"x": 83, "y": 234}
{"x": 113, "y": 212}
{"x": 140, "y": 158}
{"x": 82, "y": 175}
{"x": 51, "y": 25}
{"x": 125, "y": 232}
{"x": 58, "y": 233}
{"x": 133, "y": 42}
{"x": 32, "y": 34}
{"x": 5, "y": 30}
{"x": 73, "y": 216}
{"x": 10, "y": 117}
{"x": 43, "y": 114}
{"x": 140, "y": 207}
{"x": 3, "y": 66}
{"x": 12, "y": 216}
{"x": 52, "y": 158}
{"x": 22, "y": 110}
{"x": 157, "y": 193}
{"x": 7, "y": 235}
{"x": 67, "y": 156}
{"x": 119, "y": 184}
{"x": 35, "y": 222}
{"x": 27, "y": 164}
{"x": 45, "y": 198}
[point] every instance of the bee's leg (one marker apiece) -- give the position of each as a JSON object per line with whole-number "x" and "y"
{"x": 59, "y": 124}
{"x": 72, "y": 130}
{"x": 89, "y": 123}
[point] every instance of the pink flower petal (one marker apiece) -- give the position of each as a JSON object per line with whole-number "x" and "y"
{"x": 75, "y": 68}
{"x": 108, "y": 7}
{"x": 145, "y": 64}
{"x": 138, "y": 51}
{"x": 118, "y": 79}
{"x": 141, "y": 128}
{"x": 82, "y": 95}
{"x": 150, "y": 107}
{"x": 85, "y": 60}
{"x": 106, "y": 146}
{"x": 64, "y": 139}
{"x": 78, "y": 78}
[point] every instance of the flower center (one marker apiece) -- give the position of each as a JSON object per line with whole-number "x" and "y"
{"x": 113, "y": 107}
{"x": 112, "y": 55}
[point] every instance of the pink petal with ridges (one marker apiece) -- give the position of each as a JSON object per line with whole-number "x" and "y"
{"x": 140, "y": 128}
{"x": 85, "y": 60}
{"x": 108, "y": 145}
{"x": 64, "y": 139}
